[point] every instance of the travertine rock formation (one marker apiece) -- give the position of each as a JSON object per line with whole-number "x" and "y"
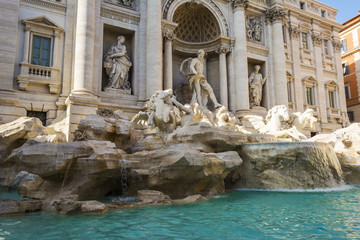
{"x": 286, "y": 165}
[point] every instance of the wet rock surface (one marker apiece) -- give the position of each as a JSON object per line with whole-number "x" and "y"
{"x": 9, "y": 206}
{"x": 286, "y": 166}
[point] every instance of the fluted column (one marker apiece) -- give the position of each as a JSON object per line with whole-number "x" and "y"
{"x": 275, "y": 17}
{"x": 240, "y": 56}
{"x": 222, "y": 51}
{"x": 154, "y": 61}
{"x": 84, "y": 47}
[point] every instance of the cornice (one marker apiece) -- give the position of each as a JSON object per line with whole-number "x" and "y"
{"x": 121, "y": 16}
{"x": 350, "y": 52}
{"x": 43, "y": 3}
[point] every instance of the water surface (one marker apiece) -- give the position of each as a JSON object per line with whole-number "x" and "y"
{"x": 236, "y": 215}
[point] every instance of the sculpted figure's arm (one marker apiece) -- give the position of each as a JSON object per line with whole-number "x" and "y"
{"x": 120, "y": 54}
{"x": 265, "y": 78}
{"x": 192, "y": 67}
{"x": 180, "y": 106}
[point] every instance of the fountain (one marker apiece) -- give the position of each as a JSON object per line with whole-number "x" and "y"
{"x": 179, "y": 150}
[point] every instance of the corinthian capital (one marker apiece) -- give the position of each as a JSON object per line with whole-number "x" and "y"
{"x": 238, "y": 4}
{"x": 275, "y": 14}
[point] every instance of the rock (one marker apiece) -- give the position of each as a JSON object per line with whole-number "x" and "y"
{"x": 23, "y": 175}
{"x": 65, "y": 206}
{"x": 286, "y": 165}
{"x": 100, "y": 128}
{"x": 93, "y": 206}
{"x": 190, "y": 199}
{"x": 202, "y": 134}
{"x": 258, "y": 138}
{"x": 191, "y": 171}
{"x": 89, "y": 169}
{"x": 346, "y": 141}
{"x": 8, "y": 206}
{"x": 153, "y": 197}
{"x": 351, "y": 170}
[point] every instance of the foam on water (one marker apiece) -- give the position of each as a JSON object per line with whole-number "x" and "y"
{"x": 315, "y": 190}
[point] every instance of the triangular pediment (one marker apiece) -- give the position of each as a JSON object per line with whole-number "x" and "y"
{"x": 310, "y": 79}
{"x": 41, "y": 20}
{"x": 331, "y": 83}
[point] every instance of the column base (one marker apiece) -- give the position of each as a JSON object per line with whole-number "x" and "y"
{"x": 78, "y": 106}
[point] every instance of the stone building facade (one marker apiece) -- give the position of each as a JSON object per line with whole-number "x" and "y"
{"x": 350, "y": 55}
{"x": 52, "y": 55}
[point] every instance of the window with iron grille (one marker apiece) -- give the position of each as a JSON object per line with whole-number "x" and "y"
{"x": 351, "y": 116}
{"x": 39, "y": 115}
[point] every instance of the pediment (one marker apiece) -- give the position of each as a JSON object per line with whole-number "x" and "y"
{"x": 310, "y": 79}
{"x": 331, "y": 83}
{"x": 41, "y": 20}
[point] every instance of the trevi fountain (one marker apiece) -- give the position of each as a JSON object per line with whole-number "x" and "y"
{"x": 179, "y": 170}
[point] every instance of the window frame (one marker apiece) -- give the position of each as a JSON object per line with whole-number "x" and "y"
{"x": 31, "y": 55}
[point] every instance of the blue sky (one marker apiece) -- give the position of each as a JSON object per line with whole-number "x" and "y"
{"x": 347, "y": 8}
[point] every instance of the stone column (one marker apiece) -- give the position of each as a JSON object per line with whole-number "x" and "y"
{"x": 240, "y": 56}
{"x": 27, "y": 44}
{"x": 168, "y": 71}
{"x": 275, "y": 17}
{"x": 154, "y": 62}
{"x": 84, "y": 47}
{"x": 231, "y": 82}
{"x": 56, "y": 50}
{"x": 168, "y": 35}
{"x": 222, "y": 51}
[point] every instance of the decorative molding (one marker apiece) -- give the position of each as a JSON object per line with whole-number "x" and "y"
{"x": 240, "y": 4}
{"x": 223, "y": 49}
{"x": 131, "y": 4}
{"x": 275, "y": 14}
{"x": 43, "y": 3}
{"x": 120, "y": 16}
{"x": 257, "y": 49}
{"x": 168, "y": 3}
{"x": 294, "y": 32}
{"x": 168, "y": 29}
{"x": 337, "y": 44}
{"x": 316, "y": 38}
{"x": 212, "y": 46}
{"x": 263, "y": 1}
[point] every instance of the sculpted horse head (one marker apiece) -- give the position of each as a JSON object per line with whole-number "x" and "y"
{"x": 277, "y": 117}
{"x": 306, "y": 119}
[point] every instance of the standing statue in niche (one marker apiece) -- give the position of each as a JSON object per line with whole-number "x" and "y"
{"x": 117, "y": 65}
{"x": 256, "y": 82}
{"x": 193, "y": 69}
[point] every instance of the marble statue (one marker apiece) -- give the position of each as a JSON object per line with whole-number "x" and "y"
{"x": 256, "y": 82}
{"x": 117, "y": 65}
{"x": 303, "y": 120}
{"x": 193, "y": 69}
{"x": 160, "y": 114}
{"x": 277, "y": 123}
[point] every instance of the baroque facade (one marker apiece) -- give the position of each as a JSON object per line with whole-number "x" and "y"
{"x": 350, "y": 55}
{"x": 53, "y": 53}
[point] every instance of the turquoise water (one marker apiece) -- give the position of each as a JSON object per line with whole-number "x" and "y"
{"x": 236, "y": 215}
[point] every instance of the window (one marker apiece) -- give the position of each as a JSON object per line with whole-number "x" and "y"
{"x": 39, "y": 115}
{"x": 305, "y": 43}
{"x": 332, "y": 99}
{"x": 347, "y": 91}
{"x": 344, "y": 46}
{"x": 323, "y": 13}
{"x": 302, "y": 5}
{"x": 310, "y": 95}
{"x": 41, "y": 51}
{"x": 289, "y": 89}
{"x": 326, "y": 47}
{"x": 284, "y": 33}
{"x": 345, "y": 67}
{"x": 351, "y": 116}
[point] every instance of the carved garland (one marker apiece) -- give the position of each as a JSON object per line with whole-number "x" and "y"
{"x": 294, "y": 32}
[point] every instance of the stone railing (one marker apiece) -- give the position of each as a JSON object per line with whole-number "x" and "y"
{"x": 333, "y": 112}
{"x": 30, "y": 73}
